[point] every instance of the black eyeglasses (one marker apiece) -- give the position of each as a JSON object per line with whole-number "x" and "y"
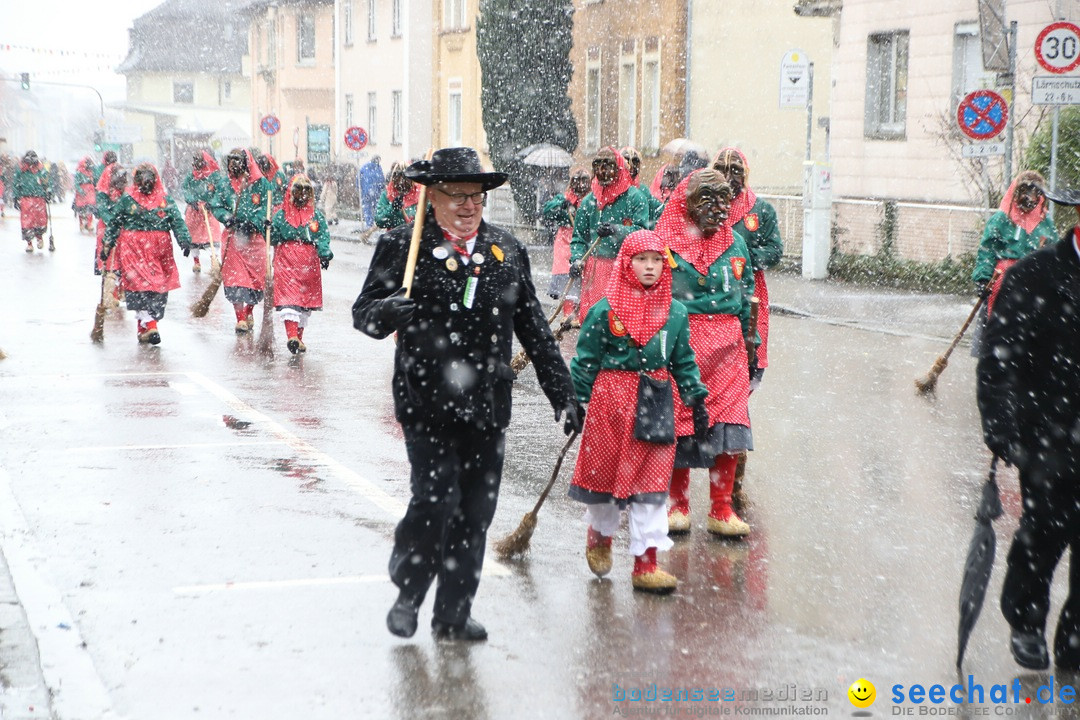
{"x": 458, "y": 199}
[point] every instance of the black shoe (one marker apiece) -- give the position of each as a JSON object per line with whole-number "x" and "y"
{"x": 293, "y": 345}
{"x": 470, "y": 631}
{"x": 401, "y": 620}
{"x": 1029, "y": 650}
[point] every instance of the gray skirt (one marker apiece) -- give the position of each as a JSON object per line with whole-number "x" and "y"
{"x": 722, "y": 438}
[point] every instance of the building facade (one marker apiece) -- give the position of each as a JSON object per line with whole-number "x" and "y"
{"x": 457, "y": 118}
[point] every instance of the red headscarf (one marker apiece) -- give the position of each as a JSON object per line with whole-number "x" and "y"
{"x": 411, "y": 197}
{"x": 1026, "y": 220}
{"x": 297, "y": 216}
{"x": 156, "y": 198}
{"x": 254, "y": 174}
{"x": 105, "y": 181}
{"x": 209, "y": 167}
{"x": 86, "y": 166}
{"x": 744, "y": 203}
{"x": 657, "y": 181}
{"x": 643, "y": 310}
{"x": 681, "y": 235}
{"x": 274, "y": 168}
{"x": 607, "y": 195}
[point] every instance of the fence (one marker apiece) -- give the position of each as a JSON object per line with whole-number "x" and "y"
{"x": 924, "y": 232}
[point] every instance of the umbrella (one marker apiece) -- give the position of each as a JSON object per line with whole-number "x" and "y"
{"x": 678, "y": 146}
{"x": 547, "y": 155}
{"x": 980, "y": 560}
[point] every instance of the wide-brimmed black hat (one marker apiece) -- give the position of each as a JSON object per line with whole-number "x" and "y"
{"x": 456, "y": 164}
{"x": 1063, "y": 196}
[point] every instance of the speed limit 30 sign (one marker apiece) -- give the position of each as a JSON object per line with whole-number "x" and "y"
{"x": 1058, "y": 47}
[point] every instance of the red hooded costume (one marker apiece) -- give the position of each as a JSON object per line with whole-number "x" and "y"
{"x": 297, "y": 274}
{"x": 144, "y": 247}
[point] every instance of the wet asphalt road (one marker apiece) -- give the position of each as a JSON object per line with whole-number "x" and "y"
{"x": 214, "y": 525}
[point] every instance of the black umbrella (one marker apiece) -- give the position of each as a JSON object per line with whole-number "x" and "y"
{"x": 980, "y": 560}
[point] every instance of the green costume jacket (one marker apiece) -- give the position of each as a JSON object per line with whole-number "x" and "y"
{"x": 556, "y": 211}
{"x": 629, "y": 213}
{"x": 31, "y": 184}
{"x": 104, "y": 207}
{"x": 719, "y": 292}
{"x": 766, "y": 246}
{"x": 1003, "y": 240}
{"x": 281, "y": 231}
{"x": 389, "y": 217}
{"x": 655, "y": 206}
{"x": 249, "y": 207}
{"x": 205, "y": 190}
{"x": 130, "y": 215}
{"x": 598, "y": 348}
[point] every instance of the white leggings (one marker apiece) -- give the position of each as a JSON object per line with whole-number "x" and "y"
{"x": 648, "y": 524}
{"x": 300, "y": 317}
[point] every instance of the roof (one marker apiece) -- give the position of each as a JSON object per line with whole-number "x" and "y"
{"x": 255, "y": 7}
{"x": 818, "y": 8}
{"x": 188, "y": 36}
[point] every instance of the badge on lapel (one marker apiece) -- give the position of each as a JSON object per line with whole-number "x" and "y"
{"x": 497, "y": 252}
{"x": 752, "y": 222}
{"x": 615, "y": 324}
{"x": 255, "y": 199}
{"x": 737, "y": 265}
{"x": 314, "y": 226}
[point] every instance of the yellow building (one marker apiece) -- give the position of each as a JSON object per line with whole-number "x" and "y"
{"x": 455, "y": 106}
{"x": 293, "y": 57}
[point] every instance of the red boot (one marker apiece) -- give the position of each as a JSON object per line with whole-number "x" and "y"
{"x": 722, "y": 518}
{"x": 647, "y": 577}
{"x": 242, "y": 325}
{"x": 300, "y": 335}
{"x": 598, "y": 552}
{"x": 249, "y": 315}
{"x": 679, "y": 513}
{"x": 292, "y": 335}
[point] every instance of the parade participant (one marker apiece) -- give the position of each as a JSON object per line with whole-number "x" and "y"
{"x": 301, "y": 241}
{"x": 372, "y": 183}
{"x": 1028, "y": 397}
{"x": 633, "y": 164}
{"x": 3, "y": 193}
{"x": 85, "y": 194}
{"x": 31, "y": 189}
{"x": 57, "y": 181}
{"x": 268, "y": 166}
{"x": 328, "y": 197}
{"x": 397, "y": 204}
{"x": 711, "y": 276}
{"x": 471, "y": 295}
{"x": 691, "y": 161}
{"x": 606, "y": 215}
{"x": 664, "y": 182}
{"x": 241, "y": 205}
{"x": 635, "y": 329}
{"x": 139, "y": 229}
{"x": 200, "y": 187}
{"x": 110, "y": 188}
{"x": 107, "y": 159}
{"x": 560, "y": 211}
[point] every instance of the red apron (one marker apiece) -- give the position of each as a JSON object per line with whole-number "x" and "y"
{"x": 146, "y": 257}
{"x": 595, "y": 282}
{"x": 560, "y": 263}
{"x": 761, "y": 290}
{"x": 196, "y": 225}
{"x": 721, "y": 356}
{"x": 1002, "y": 265}
{"x": 297, "y": 276}
{"x": 244, "y": 263}
{"x": 33, "y": 213}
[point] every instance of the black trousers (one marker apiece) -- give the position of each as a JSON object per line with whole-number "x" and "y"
{"x": 1050, "y": 523}
{"x": 456, "y": 471}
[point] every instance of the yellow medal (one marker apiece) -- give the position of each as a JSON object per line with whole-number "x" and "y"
{"x": 497, "y": 252}
{"x": 451, "y": 264}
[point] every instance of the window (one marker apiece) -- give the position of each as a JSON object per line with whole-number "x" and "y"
{"x": 454, "y": 14}
{"x": 183, "y": 92}
{"x": 886, "y": 85}
{"x": 348, "y": 110}
{"x": 271, "y": 44}
{"x": 395, "y": 117}
{"x": 395, "y": 28}
{"x": 627, "y": 101}
{"x": 371, "y": 118}
{"x": 650, "y": 103}
{"x": 371, "y": 20}
{"x": 453, "y": 112}
{"x": 592, "y": 99}
{"x": 348, "y": 22}
{"x": 224, "y": 91}
{"x": 967, "y": 74}
{"x": 305, "y": 39}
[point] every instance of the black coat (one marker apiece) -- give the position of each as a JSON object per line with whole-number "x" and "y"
{"x": 453, "y": 363}
{"x": 1029, "y": 378}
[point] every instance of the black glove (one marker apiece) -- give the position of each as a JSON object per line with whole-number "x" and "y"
{"x": 701, "y": 420}
{"x": 397, "y": 310}
{"x": 104, "y": 254}
{"x": 398, "y": 202}
{"x": 16, "y": 203}
{"x": 249, "y": 228}
{"x": 187, "y": 250}
{"x": 325, "y": 262}
{"x": 232, "y": 222}
{"x": 983, "y": 288}
{"x": 576, "y": 268}
{"x": 605, "y": 229}
{"x": 573, "y": 415}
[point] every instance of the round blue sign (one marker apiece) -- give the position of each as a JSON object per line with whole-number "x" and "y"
{"x": 270, "y": 125}
{"x": 356, "y": 138}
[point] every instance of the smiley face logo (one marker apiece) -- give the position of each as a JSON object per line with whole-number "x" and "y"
{"x": 862, "y": 693}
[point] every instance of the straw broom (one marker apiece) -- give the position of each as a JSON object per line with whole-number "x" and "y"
{"x": 417, "y": 231}
{"x": 926, "y": 385}
{"x": 2, "y": 355}
{"x": 97, "y": 334}
{"x": 201, "y": 306}
{"x": 517, "y": 542}
{"x": 266, "y": 333}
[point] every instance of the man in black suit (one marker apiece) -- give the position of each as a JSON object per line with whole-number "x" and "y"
{"x": 452, "y": 382}
{"x": 1029, "y": 397}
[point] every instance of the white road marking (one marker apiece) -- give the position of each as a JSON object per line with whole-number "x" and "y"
{"x": 278, "y": 584}
{"x": 125, "y": 448}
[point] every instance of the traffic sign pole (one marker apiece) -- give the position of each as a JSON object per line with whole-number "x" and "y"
{"x": 1053, "y": 157}
{"x": 1010, "y": 100}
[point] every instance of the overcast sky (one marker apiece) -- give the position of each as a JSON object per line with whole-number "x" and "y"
{"x": 83, "y": 27}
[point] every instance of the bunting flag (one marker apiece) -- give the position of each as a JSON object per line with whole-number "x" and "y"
{"x": 7, "y": 47}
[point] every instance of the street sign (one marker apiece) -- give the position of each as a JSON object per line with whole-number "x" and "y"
{"x": 794, "y": 79}
{"x": 122, "y": 133}
{"x": 1058, "y": 47}
{"x": 985, "y": 149}
{"x": 318, "y": 143}
{"x": 356, "y": 138}
{"x": 982, "y": 114}
{"x": 1047, "y": 90}
{"x": 270, "y": 125}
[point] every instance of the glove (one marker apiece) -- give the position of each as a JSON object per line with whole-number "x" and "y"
{"x": 187, "y": 250}
{"x": 573, "y": 415}
{"x": 16, "y": 203}
{"x": 605, "y": 229}
{"x": 104, "y": 254}
{"x": 577, "y": 268}
{"x": 248, "y": 228}
{"x": 397, "y": 310}
{"x": 983, "y": 288}
{"x": 398, "y": 202}
{"x": 701, "y": 420}
{"x": 325, "y": 262}
{"x": 232, "y": 222}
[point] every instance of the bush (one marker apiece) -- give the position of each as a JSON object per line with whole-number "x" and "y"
{"x": 883, "y": 270}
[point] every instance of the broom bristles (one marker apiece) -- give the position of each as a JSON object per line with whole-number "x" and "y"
{"x": 266, "y": 332}
{"x": 98, "y": 333}
{"x": 202, "y": 306}
{"x": 517, "y": 542}
{"x": 928, "y": 383}
{"x": 2, "y": 355}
